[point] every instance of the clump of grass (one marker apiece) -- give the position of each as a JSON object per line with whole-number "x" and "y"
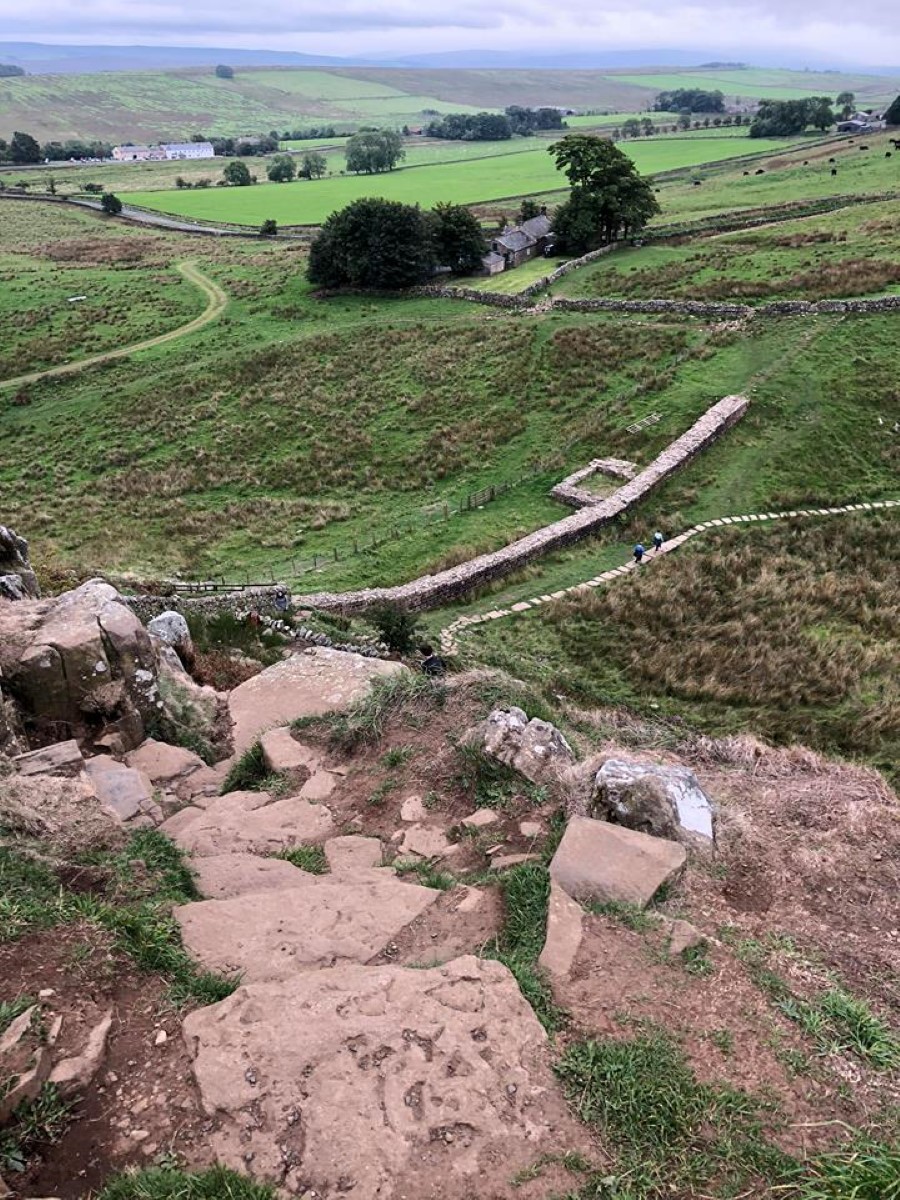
{"x": 387, "y": 698}
{"x": 632, "y": 916}
{"x": 672, "y": 1132}
{"x": 307, "y": 858}
{"x": 165, "y": 1183}
{"x": 490, "y": 783}
{"x": 867, "y": 1169}
{"x": 248, "y": 773}
{"x": 526, "y": 894}
{"x": 426, "y": 873}
{"x": 10, "y": 1009}
{"x": 397, "y": 756}
{"x": 696, "y": 960}
{"x": 841, "y": 1023}
{"x": 35, "y": 1124}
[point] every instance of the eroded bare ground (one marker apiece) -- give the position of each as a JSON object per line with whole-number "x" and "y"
{"x": 797, "y": 902}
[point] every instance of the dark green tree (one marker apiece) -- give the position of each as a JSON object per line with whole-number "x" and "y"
{"x": 373, "y": 151}
{"x": 24, "y": 149}
{"x": 269, "y": 228}
{"x": 372, "y": 244}
{"x": 609, "y": 199}
{"x": 224, "y": 72}
{"x": 529, "y": 209}
{"x": 313, "y": 165}
{"x": 631, "y": 128}
{"x": 397, "y": 626}
{"x": 457, "y": 239}
{"x": 281, "y": 169}
{"x": 845, "y": 102}
{"x": 237, "y": 174}
{"x": 892, "y": 116}
{"x": 111, "y": 204}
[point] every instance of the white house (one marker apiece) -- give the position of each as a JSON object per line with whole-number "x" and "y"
{"x": 188, "y": 150}
{"x": 137, "y": 153}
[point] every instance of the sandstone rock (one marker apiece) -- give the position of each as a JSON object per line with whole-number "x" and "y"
{"x": 283, "y": 753}
{"x": 480, "y": 818}
{"x": 61, "y": 758}
{"x": 126, "y": 791}
{"x": 599, "y": 861}
{"x": 530, "y": 829}
{"x": 413, "y": 810}
{"x": 319, "y": 922}
{"x": 351, "y": 854}
{"x": 426, "y": 841}
{"x": 381, "y": 1082}
{"x": 249, "y": 822}
{"x": 17, "y": 579}
{"x": 79, "y": 658}
{"x": 221, "y": 876}
{"x": 565, "y": 920}
{"x": 319, "y": 786}
{"x": 24, "y": 1062}
{"x": 535, "y": 748}
{"x": 502, "y": 861}
{"x": 171, "y": 628}
{"x": 682, "y": 935}
{"x": 664, "y": 801}
{"x": 164, "y": 765}
{"x": 318, "y": 681}
{"x": 72, "y": 1075}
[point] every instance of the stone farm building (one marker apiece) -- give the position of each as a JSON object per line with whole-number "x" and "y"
{"x": 167, "y": 150}
{"x": 516, "y": 244}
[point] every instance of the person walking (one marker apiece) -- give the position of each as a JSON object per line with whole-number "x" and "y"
{"x": 658, "y": 540}
{"x": 638, "y": 553}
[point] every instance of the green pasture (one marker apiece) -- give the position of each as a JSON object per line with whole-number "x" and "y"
{"x": 772, "y": 84}
{"x": 310, "y": 202}
{"x": 312, "y": 84}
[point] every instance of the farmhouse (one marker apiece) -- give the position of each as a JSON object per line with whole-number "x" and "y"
{"x": 516, "y": 244}
{"x": 130, "y": 153}
{"x": 188, "y": 150}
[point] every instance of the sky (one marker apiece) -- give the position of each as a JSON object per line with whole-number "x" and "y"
{"x": 794, "y": 31}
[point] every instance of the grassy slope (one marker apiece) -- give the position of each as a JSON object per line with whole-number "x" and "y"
{"x": 307, "y": 202}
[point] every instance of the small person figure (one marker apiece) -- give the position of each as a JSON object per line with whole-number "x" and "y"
{"x": 432, "y": 664}
{"x": 281, "y": 600}
{"x": 638, "y": 552}
{"x": 253, "y": 618}
{"x": 658, "y": 540}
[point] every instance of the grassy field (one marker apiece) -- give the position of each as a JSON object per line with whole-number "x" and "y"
{"x": 772, "y": 84}
{"x": 478, "y": 179}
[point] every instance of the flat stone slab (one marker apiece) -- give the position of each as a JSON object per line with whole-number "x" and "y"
{"x": 126, "y": 791}
{"x": 62, "y": 758}
{"x": 319, "y": 786}
{"x": 249, "y": 822}
{"x": 427, "y": 841}
{"x": 565, "y": 921}
{"x": 284, "y": 753}
{"x": 481, "y": 818}
{"x": 318, "y": 922}
{"x": 380, "y": 1082}
{"x": 599, "y": 861}
{"x": 308, "y": 684}
{"x": 163, "y": 764}
{"x": 351, "y": 853}
{"x": 221, "y": 876}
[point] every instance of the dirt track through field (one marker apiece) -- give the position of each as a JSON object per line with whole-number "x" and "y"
{"x": 218, "y": 300}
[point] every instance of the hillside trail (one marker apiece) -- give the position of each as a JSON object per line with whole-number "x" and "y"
{"x": 449, "y": 635}
{"x": 218, "y": 300}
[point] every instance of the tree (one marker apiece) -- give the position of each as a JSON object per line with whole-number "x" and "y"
{"x": 281, "y": 169}
{"x": 609, "y": 198}
{"x": 237, "y": 174}
{"x": 892, "y": 116}
{"x": 111, "y": 204}
{"x": 631, "y": 128}
{"x": 693, "y": 99}
{"x": 373, "y": 151}
{"x": 779, "y": 118}
{"x": 313, "y": 165}
{"x": 224, "y": 72}
{"x": 457, "y": 239}
{"x": 269, "y": 228}
{"x": 24, "y": 149}
{"x": 398, "y": 627}
{"x": 8, "y": 70}
{"x": 529, "y": 209}
{"x": 684, "y": 119}
{"x": 372, "y": 243}
{"x": 845, "y": 102}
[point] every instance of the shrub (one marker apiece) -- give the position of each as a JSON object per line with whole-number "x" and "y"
{"x": 396, "y": 625}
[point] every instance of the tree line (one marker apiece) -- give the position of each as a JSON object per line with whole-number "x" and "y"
{"x": 514, "y": 121}
{"x": 23, "y": 149}
{"x": 778, "y": 118}
{"x": 694, "y": 100}
{"x": 10, "y": 70}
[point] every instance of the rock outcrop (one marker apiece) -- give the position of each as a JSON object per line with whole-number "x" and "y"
{"x": 171, "y": 629}
{"x": 380, "y": 1082}
{"x": 664, "y": 801}
{"x": 17, "y": 579}
{"x": 534, "y": 748}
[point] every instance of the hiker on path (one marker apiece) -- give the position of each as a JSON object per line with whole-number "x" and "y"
{"x": 638, "y": 552}
{"x": 658, "y": 540}
{"x": 281, "y": 600}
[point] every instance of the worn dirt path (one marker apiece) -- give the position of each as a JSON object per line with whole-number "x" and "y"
{"x": 218, "y": 299}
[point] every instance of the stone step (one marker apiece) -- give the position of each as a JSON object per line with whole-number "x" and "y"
{"x": 249, "y": 822}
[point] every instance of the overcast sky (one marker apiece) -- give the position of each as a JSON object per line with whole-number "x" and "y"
{"x": 794, "y": 30}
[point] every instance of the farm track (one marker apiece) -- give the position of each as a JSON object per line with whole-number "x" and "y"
{"x": 218, "y": 300}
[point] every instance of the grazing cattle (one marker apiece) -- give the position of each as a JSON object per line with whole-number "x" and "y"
{"x": 887, "y": 154}
{"x": 864, "y": 147}
{"x": 760, "y": 171}
{"x": 834, "y": 170}
{"x": 697, "y": 182}
{"x": 746, "y": 172}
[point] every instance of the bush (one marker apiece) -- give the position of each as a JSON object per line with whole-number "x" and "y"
{"x": 269, "y": 228}
{"x": 111, "y": 204}
{"x": 397, "y": 627}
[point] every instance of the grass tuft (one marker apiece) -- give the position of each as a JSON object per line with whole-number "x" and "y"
{"x": 388, "y": 696}
{"x": 248, "y": 773}
{"x": 426, "y": 873}
{"x": 162, "y": 1183}
{"x": 307, "y": 858}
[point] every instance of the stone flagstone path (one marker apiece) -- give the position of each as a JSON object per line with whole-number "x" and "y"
{"x": 450, "y": 634}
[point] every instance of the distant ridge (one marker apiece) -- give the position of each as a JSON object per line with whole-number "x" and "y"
{"x": 40, "y": 59}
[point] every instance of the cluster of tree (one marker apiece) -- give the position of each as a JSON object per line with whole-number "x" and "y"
{"x": 892, "y": 116}
{"x": 775, "y": 118}
{"x": 224, "y": 72}
{"x": 182, "y": 183}
{"x": 284, "y": 167}
{"x": 237, "y": 174}
{"x": 373, "y": 151}
{"x": 383, "y": 244}
{"x": 692, "y": 99}
{"x": 494, "y": 127}
{"x": 22, "y": 148}
{"x": 644, "y": 126}
{"x": 609, "y": 199}
{"x": 75, "y": 148}
{"x": 8, "y": 70}
{"x": 306, "y": 135}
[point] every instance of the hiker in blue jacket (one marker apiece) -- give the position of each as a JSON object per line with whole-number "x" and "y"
{"x": 638, "y": 552}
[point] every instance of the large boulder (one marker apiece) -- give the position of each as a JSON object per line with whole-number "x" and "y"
{"x": 603, "y": 862}
{"x": 664, "y": 801}
{"x": 381, "y": 1082}
{"x": 81, "y": 661}
{"x": 534, "y": 748}
{"x": 308, "y": 684}
{"x": 171, "y": 629}
{"x": 17, "y": 579}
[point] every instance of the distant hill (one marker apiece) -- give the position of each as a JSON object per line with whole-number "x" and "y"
{"x": 40, "y": 59}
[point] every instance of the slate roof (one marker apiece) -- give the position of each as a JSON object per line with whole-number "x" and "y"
{"x": 537, "y": 227}
{"x": 514, "y": 240}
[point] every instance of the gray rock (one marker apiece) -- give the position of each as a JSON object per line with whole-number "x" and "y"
{"x": 663, "y": 801}
{"x": 172, "y": 629}
{"x": 17, "y": 580}
{"x": 535, "y": 748}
